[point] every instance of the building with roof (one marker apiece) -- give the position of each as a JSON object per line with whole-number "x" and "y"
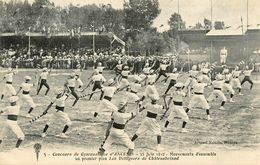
{"x": 241, "y": 44}
{"x": 84, "y": 39}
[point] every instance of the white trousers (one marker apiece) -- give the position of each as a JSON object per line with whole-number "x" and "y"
{"x": 178, "y": 111}
{"x": 12, "y": 125}
{"x": 149, "y": 124}
{"x": 198, "y": 101}
{"x": 57, "y": 116}
{"x": 217, "y": 94}
{"x": 27, "y": 98}
{"x": 118, "y": 135}
{"x": 9, "y": 90}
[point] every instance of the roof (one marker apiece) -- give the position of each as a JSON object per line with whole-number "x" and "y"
{"x": 225, "y": 32}
{"x": 108, "y": 36}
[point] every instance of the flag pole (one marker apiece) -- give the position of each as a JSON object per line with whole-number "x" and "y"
{"x": 29, "y": 49}
{"x": 247, "y": 55}
{"x": 211, "y": 19}
{"x": 93, "y": 39}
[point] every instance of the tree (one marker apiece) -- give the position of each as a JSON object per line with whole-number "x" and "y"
{"x": 207, "y": 24}
{"x": 151, "y": 42}
{"x": 139, "y": 14}
{"x": 219, "y": 25}
{"x": 198, "y": 26}
{"x": 174, "y": 20}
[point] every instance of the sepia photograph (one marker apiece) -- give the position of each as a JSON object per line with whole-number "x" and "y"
{"x": 129, "y": 82}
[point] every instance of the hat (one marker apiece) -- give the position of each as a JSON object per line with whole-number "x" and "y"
{"x": 44, "y": 69}
{"x": 205, "y": 70}
{"x": 154, "y": 97}
{"x": 13, "y": 99}
{"x": 194, "y": 67}
{"x": 179, "y": 85}
{"x": 110, "y": 81}
{"x": 99, "y": 64}
{"x": 122, "y": 103}
{"x": 126, "y": 67}
{"x": 151, "y": 71}
{"x": 59, "y": 91}
{"x": 174, "y": 70}
{"x": 27, "y": 78}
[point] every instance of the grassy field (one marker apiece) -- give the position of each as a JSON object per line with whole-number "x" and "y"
{"x": 236, "y": 127}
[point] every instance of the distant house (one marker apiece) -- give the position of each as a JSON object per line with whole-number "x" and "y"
{"x": 240, "y": 44}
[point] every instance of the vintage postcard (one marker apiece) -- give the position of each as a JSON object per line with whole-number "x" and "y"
{"x": 129, "y": 82}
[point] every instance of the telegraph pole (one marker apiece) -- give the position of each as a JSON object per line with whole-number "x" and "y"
{"x": 211, "y": 19}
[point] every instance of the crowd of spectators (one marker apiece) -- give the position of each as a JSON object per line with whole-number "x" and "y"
{"x": 62, "y": 58}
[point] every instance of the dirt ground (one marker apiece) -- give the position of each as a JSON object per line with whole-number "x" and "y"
{"x": 233, "y": 129}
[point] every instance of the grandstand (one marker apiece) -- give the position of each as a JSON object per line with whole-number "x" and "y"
{"x": 85, "y": 39}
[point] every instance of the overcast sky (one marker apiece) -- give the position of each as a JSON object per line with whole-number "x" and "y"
{"x": 192, "y": 11}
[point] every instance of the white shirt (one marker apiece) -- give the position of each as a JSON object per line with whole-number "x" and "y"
{"x": 44, "y": 75}
{"x": 109, "y": 91}
{"x": 177, "y": 96}
{"x": 80, "y": 83}
{"x": 71, "y": 82}
{"x": 247, "y": 72}
{"x": 217, "y": 84}
{"x": 98, "y": 77}
{"x": 12, "y": 110}
{"x": 147, "y": 70}
{"x": 77, "y": 72}
{"x": 227, "y": 77}
{"x": 173, "y": 76}
{"x": 153, "y": 108}
{"x": 163, "y": 66}
{"x": 199, "y": 87}
{"x": 125, "y": 73}
{"x": 205, "y": 78}
{"x": 135, "y": 87}
{"x": 236, "y": 73}
{"x": 60, "y": 101}
{"x": 100, "y": 69}
{"x": 9, "y": 77}
{"x": 151, "y": 78}
{"x": 121, "y": 118}
{"x": 26, "y": 86}
{"x": 223, "y": 52}
{"x": 193, "y": 73}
